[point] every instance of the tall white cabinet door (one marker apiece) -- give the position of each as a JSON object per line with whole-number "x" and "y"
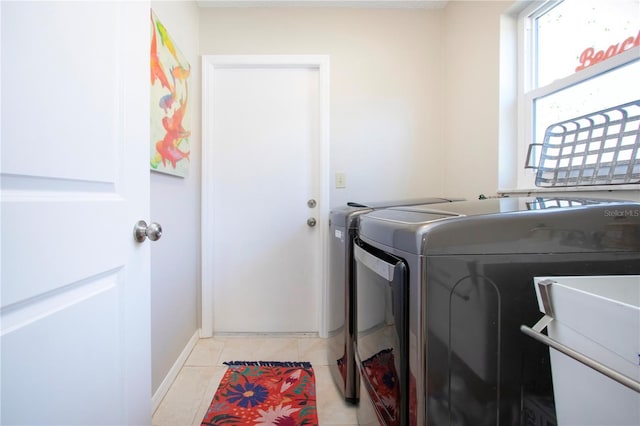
{"x": 75, "y": 179}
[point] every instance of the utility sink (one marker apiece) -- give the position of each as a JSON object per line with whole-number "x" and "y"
{"x": 598, "y": 317}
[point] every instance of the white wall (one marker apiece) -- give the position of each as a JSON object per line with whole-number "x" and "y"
{"x": 386, "y": 87}
{"x": 414, "y": 92}
{"x": 471, "y": 59}
{"x": 175, "y": 204}
{"x": 479, "y": 80}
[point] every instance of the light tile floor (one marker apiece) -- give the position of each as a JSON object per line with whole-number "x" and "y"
{"x": 190, "y": 394}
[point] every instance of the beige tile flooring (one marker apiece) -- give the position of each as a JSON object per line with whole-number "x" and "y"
{"x": 188, "y": 398}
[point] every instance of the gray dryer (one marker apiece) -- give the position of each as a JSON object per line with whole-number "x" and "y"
{"x": 344, "y": 228}
{"x": 441, "y": 293}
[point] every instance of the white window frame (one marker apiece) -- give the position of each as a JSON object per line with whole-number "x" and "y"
{"x": 527, "y": 93}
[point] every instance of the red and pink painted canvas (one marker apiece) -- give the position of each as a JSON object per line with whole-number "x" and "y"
{"x": 170, "y": 127}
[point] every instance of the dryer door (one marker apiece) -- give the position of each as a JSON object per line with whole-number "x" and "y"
{"x": 382, "y": 331}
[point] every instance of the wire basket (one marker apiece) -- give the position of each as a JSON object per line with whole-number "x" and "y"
{"x": 601, "y": 148}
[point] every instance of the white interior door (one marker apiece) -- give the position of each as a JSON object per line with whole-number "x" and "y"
{"x": 266, "y": 191}
{"x": 75, "y": 179}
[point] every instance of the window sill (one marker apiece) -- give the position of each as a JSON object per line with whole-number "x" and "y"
{"x": 574, "y": 189}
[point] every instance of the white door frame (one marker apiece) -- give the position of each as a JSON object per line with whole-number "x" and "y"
{"x": 209, "y": 64}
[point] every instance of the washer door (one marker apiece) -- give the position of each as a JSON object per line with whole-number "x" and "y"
{"x": 382, "y": 331}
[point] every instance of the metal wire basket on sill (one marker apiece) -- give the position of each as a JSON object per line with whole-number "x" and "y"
{"x": 601, "y": 148}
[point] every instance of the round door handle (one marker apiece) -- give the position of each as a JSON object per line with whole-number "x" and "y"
{"x": 311, "y": 203}
{"x": 141, "y": 231}
{"x": 311, "y": 222}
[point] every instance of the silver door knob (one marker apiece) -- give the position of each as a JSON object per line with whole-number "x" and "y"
{"x": 141, "y": 231}
{"x": 311, "y": 222}
{"x": 311, "y": 203}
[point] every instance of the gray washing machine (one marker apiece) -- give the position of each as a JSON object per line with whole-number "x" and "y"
{"x": 344, "y": 228}
{"x": 442, "y": 290}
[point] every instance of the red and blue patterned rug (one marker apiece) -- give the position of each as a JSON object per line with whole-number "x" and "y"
{"x": 264, "y": 393}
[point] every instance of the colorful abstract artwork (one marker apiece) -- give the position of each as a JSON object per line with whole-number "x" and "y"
{"x": 170, "y": 148}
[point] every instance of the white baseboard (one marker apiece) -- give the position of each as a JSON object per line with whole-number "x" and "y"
{"x": 162, "y": 390}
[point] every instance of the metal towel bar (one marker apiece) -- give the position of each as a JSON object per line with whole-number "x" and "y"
{"x": 536, "y": 333}
{"x": 589, "y": 362}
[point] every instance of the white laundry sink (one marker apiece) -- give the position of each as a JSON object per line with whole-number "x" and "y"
{"x": 600, "y": 318}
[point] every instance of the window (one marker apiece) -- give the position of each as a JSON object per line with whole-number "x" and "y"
{"x": 577, "y": 57}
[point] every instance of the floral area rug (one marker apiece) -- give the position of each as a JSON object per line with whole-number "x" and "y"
{"x": 261, "y": 393}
